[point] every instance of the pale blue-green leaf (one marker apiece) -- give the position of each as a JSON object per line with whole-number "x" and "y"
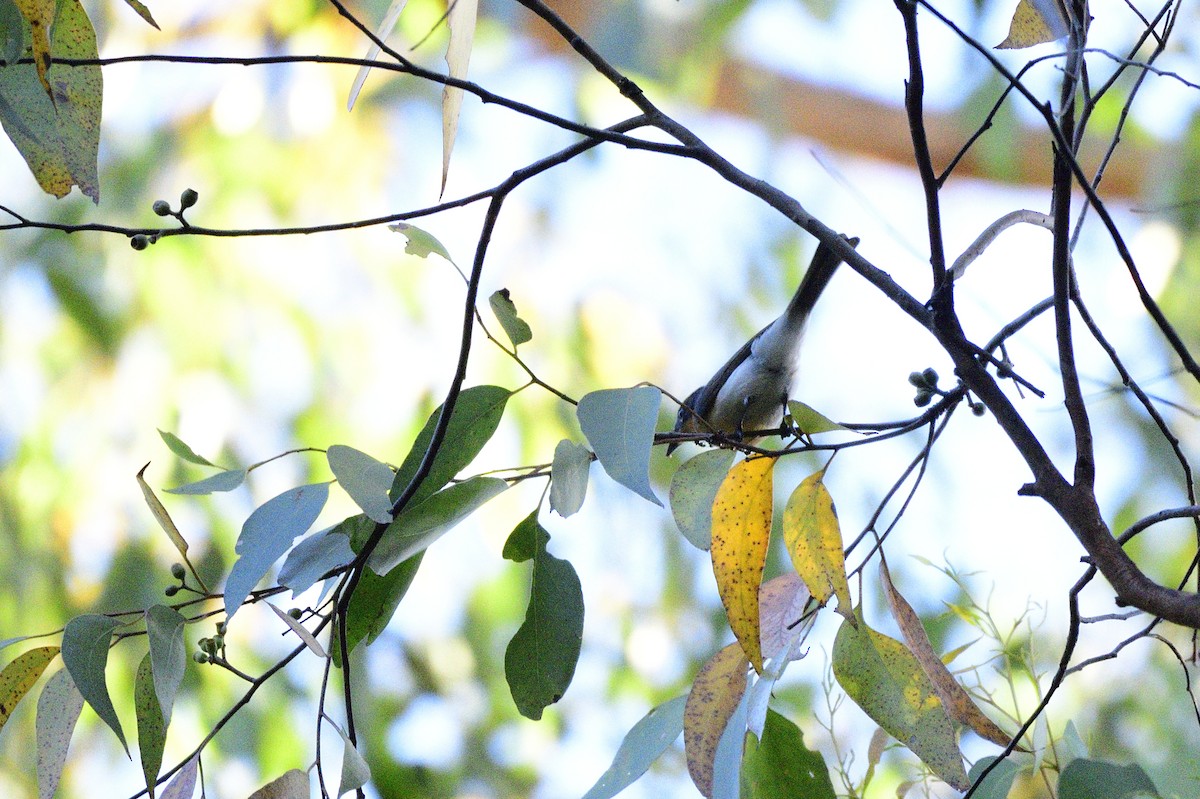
{"x": 182, "y": 450}
{"x": 1084, "y": 778}
{"x": 516, "y": 328}
{"x": 727, "y": 762}
{"x": 183, "y": 784}
{"x": 569, "y": 477}
{"x": 301, "y": 631}
{"x": 219, "y": 482}
{"x": 12, "y": 35}
{"x": 290, "y": 785}
{"x": 365, "y": 479}
{"x": 7, "y": 642}
{"x": 425, "y": 521}
{"x": 152, "y": 731}
{"x": 312, "y": 558}
{"x": 619, "y": 424}
{"x": 642, "y": 745}
{"x": 540, "y": 660}
{"x": 355, "y": 771}
{"x": 168, "y": 654}
{"x": 461, "y": 19}
{"x": 385, "y": 28}
{"x": 267, "y": 534}
{"x": 85, "y": 654}
{"x": 58, "y": 709}
{"x": 693, "y": 489}
{"x": 1071, "y": 745}
{"x": 999, "y": 780}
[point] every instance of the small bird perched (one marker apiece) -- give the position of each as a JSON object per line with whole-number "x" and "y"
{"x": 750, "y": 391}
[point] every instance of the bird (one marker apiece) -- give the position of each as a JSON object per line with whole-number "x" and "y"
{"x": 748, "y": 392}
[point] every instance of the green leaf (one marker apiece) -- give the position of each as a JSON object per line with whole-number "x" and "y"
{"x": 540, "y": 660}
{"x": 420, "y": 243}
{"x": 267, "y": 534}
{"x": 152, "y": 730}
{"x": 642, "y": 745}
{"x": 526, "y": 540}
{"x": 355, "y": 771}
{"x": 301, "y": 632}
{"x": 168, "y": 654}
{"x": 569, "y": 477}
{"x": 58, "y": 709}
{"x": 1084, "y": 778}
{"x": 142, "y": 11}
{"x": 19, "y": 676}
{"x": 886, "y": 681}
{"x": 427, "y": 520}
{"x": 182, "y": 450}
{"x": 516, "y": 328}
{"x": 85, "y": 654}
{"x": 374, "y": 603}
{"x": 221, "y": 481}
{"x": 619, "y": 424}
{"x": 810, "y": 421}
{"x": 365, "y": 479}
{"x": 476, "y": 417}
{"x": 998, "y": 781}
{"x": 316, "y": 555}
{"x": 183, "y": 784}
{"x": 59, "y": 138}
{"x": 12, "y": 33}
{"x": 780, "y": 765}
{"x": 1071, "y": 746}
{"x": 693, "y": 489}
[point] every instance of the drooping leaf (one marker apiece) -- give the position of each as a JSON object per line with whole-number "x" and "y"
{"x": 476, "y": 416}
{"x": 421, "y": 243}
{"x": 1034, "y": 22}
{"x": 85, "y": 645}
{"x": 182, "y": 450}
{"x": 19, "y": 676}
{"x": 219, "y": 482}
{"x": 778, "y": 764}
{"x": 426, "y": 520}
{"x": 1084, "y": 778}
{"x": 12, "y": 32}
{"x": 355, "y": 771}
{"x": 183, "y": 784}
{"x": 540, "y": 660}
{"x": 569, "y": 477}
{"x": 956, "y": 700}
{"x": 727, "y": 765}
{"x": 168, "y": 654}
{"x": 516, "y": 328}
{"x": 642, "y": 745}
{"x": 290, "y": 785}
{"x": 374, "y": 603}
{"x": 998, "y": 781}
{"x": 301, "y": 631}
{"x": 1071, "y": 746}
{"x": 313, "y": 557}
{"x": 526, "y": 540}
{"x": 884, "y": 679}
{"x": 159, "y": 511}
{"x": 384, "y": 30}
{"x": 461, "y": 19}
{"x": 619, "y": 424}
{"x": 58, "y": 709}
{"x": 52, "y": 112}
{"x": 814, "y": 540}
{"x": 152, "y": 730}
{"x": 693, "y": 489}
{"x": 781, "y": 602}
{"x": 365, "y": 479}
{"x": 716, "y": 693}
{"x": 142, "y": 12}
{"x": 267, "y": 534}
{"x": 741, "y": 531}
{"x": 810, "y": 421}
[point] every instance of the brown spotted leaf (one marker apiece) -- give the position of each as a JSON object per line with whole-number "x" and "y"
{"x": 715, "y": 694}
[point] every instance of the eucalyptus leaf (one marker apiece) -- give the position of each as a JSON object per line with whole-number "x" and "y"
{"x": 619, "y": 424}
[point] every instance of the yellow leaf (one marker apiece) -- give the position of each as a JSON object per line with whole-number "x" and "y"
{"x": 1034, "y": 22}
{"x": 20, "y": 675}
{"x": 741, "y": 530}
{"x": 714, "y": 697}
{"x": 40, "y": 16}
{"x": 814, "y": 540}
{"x": 958, "y": 703}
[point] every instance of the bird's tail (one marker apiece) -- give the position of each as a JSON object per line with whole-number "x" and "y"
{"x": 820, "y": 270}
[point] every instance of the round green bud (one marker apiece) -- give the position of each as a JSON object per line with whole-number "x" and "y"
{"x": 139, "y": 241}
{"x": 295, "y": 613}
{"x": 177, "y": 571}
{"x": 978, "y": 410}
{"x": 916, "y": 379}
{"x": 923, "y": 397}
{"x": 221, "y": 627}
{"x": 199, "y": 657}
{"x": 161, "y": 207}
{"x": 171, "y": 590}
{"x": 930, "y": 377}
{"x": 188, "y": 198}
